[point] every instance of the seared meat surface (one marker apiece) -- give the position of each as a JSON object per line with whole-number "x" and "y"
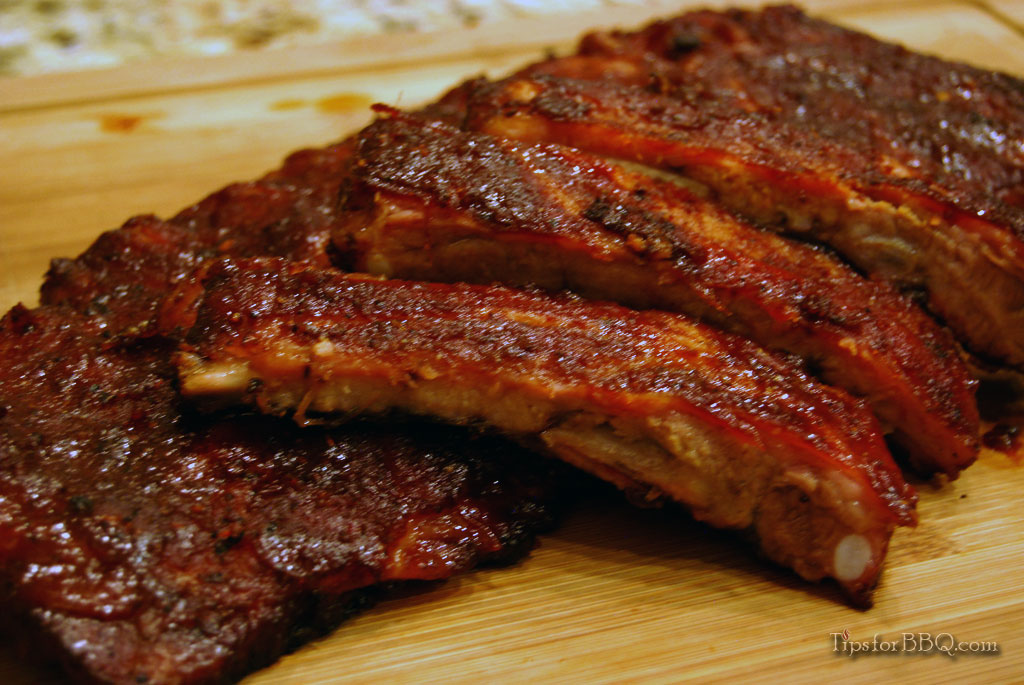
{"x": 141, "y": 544}
{"x": 909, "y": 166}
{"x": 289, "y": 213}
{"x": 433, "y": 203}
{"x": 650, "y": 401}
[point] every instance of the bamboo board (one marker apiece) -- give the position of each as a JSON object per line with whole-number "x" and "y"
{"x": 616, "y": 594}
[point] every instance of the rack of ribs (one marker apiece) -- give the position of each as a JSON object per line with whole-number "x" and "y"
{"x": 140, "y": 542}
{"x": 429, "y": 202}
{"x": 909, "y": 166}
{"x": 653, "y": 402}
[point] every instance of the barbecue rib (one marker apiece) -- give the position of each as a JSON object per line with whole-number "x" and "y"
{"x": 429, "y": 202}
{"x": 144, "y": 545}
{"x": 126, "y": 272}
{"x": 649, "y": 401}
{"x": 910, "y": 166}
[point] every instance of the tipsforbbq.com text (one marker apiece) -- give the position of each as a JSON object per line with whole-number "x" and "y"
{"x": 911, "y": 643}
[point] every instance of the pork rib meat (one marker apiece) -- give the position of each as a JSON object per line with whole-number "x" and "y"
{"x": 649, "y": 401}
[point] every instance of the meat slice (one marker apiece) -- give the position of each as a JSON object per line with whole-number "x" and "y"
{"x": 652, "y": 402}
{"x": 909, "y": 166}
{"x": 142, "y": 544}
{"x": 429, "y": 202}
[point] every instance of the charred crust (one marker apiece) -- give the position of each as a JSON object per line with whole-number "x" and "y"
{"x": 682, "y": 44}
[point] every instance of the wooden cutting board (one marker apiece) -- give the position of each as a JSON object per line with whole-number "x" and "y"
{"x": 616, "y": 594}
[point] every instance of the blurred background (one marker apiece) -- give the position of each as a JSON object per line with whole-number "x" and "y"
{"x": 39, "y": 36}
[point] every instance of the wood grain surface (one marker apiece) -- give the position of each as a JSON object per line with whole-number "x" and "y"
{"x": 616, "y": 594}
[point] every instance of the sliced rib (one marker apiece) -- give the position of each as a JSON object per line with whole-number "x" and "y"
{"x": 140, "y": 543}
{"x": 650, "y": 401}
{"x": 910, "y": 166}
{"x": 429, "y": 202}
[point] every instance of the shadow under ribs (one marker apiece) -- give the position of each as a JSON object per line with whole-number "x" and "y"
{"x": 910, "y": 166}
{"x": 429, "y": 202}
{"x": 650, "y": 401}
